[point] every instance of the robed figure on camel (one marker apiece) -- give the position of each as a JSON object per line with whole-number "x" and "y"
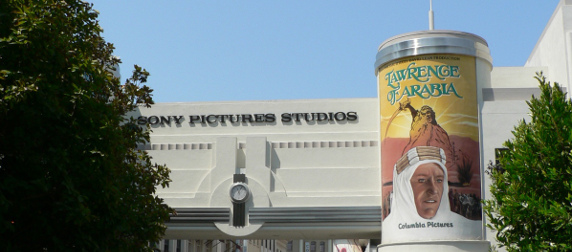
{"x": 425, "y": 131}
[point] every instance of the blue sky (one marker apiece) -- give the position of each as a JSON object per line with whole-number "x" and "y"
{"x": 268, "y": 50}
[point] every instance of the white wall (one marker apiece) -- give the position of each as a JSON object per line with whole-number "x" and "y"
{"x": 553, "y": 49}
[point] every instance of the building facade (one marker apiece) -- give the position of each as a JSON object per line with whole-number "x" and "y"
{"x": 292, "y": 172}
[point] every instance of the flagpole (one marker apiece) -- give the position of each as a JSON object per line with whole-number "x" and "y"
{"x": 431, "y": 27}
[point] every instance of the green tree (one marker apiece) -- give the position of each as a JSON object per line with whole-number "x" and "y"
{"x": 531, "y": 207}
{"x": 71, "y": 176}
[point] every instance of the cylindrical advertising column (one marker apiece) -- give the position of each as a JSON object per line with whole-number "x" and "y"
{"x": 431, "y": 168}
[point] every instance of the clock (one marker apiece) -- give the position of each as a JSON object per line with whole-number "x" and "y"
{"x": 239, "y": 192}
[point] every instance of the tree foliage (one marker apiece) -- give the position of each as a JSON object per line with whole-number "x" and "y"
{"x": 531, "y": 208}
{"x": 71, "y": 176}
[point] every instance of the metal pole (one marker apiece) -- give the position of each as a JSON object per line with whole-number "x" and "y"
{"x": 431, "y": 26}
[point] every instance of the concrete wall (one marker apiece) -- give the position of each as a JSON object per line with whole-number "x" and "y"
{"x": 553, "y": 49}
{"x": 329, "y": 167}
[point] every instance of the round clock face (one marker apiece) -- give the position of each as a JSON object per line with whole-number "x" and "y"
{"x": 239, "y": 192}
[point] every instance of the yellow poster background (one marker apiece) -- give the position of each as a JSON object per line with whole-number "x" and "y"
{"x": 447, "y": 84}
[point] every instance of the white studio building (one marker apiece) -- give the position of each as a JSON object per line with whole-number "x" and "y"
{"x": 311, "y": 170}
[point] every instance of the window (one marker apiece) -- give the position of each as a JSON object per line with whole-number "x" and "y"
{"x": 166, "y": 246}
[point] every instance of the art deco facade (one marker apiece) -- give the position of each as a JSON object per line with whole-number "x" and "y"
{"x": 312, "y": 167}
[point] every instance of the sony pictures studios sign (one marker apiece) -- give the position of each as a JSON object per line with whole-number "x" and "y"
{"x": 248, "y": 119}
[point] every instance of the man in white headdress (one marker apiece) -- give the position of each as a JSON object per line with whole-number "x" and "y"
{"x": 420, "y": 209}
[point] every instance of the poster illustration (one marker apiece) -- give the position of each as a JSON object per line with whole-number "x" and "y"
{"x": 346, "y": 245}
{"x": 431, "y": 188}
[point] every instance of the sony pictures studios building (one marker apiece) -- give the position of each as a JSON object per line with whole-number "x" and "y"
{"x": 402, "y": 171}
